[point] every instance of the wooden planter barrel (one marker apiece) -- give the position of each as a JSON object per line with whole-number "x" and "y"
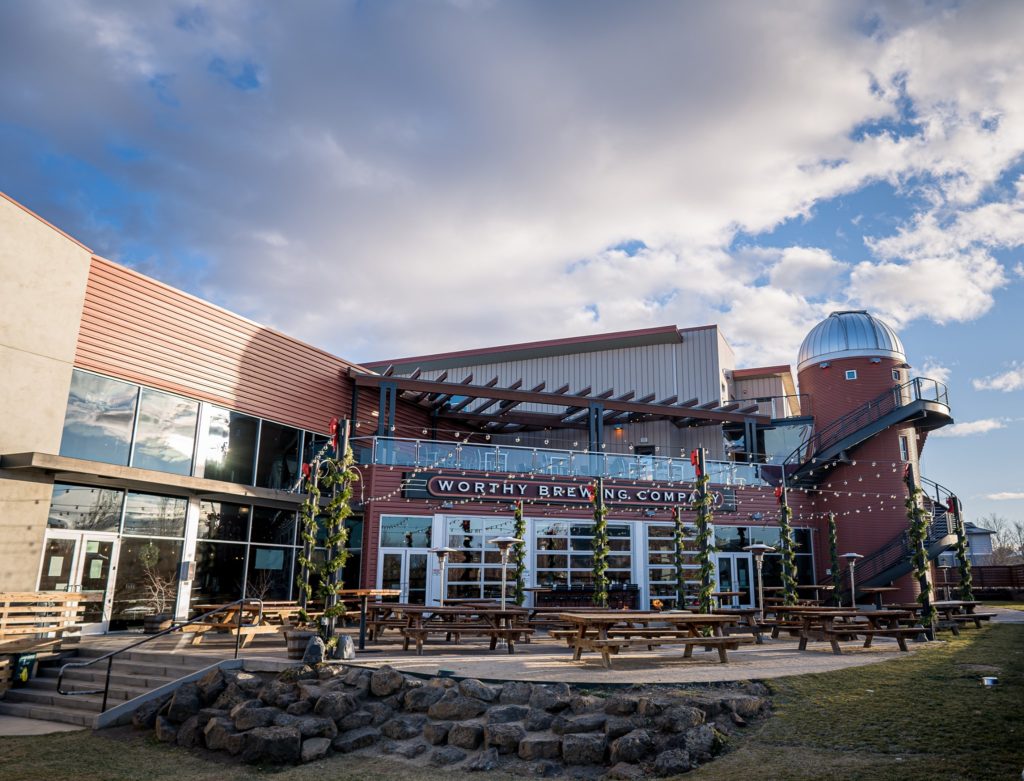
{"x": 297, "y": 640}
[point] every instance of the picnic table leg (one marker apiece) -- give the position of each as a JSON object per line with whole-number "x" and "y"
{"x": 363, "y": 603}
{"x": 723, "y": 655}
{"x": 804, "y": 633}
{"x": 581, "y": 632}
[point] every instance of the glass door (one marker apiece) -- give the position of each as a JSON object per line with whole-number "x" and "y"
{"x": 407, "y": 571}
{"x": 734, "y": 574}
{"x": 78, "y": 561}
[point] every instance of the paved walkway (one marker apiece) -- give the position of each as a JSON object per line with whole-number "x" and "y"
{"x": 13, "y": 726}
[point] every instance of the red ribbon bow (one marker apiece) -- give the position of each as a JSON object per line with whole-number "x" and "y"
{"x": 333, "y": 428}
{"x": 306, "y": 471}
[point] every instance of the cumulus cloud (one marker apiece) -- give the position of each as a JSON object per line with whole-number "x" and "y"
{"x": 1010, "y": 380}
{"x": 935, "y": 370}
{"x": 1003, "y": 496}
{"x": 384, "y": 179}
{"x": 971, "y": 428}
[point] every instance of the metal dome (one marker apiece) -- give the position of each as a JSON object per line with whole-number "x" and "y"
{"x": 850, "y": 334}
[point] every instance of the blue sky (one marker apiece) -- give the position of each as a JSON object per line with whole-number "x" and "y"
{"x": 396, "y": 178}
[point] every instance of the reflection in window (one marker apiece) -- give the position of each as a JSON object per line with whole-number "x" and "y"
{"x": 99, "y": 419}
{"x": 230, "y": 446}
{"x": 147, "y": 580}
{"x": 403, "y": 531}
{"x": 274, "y": 526}
{"x": 223, "y": 521}
{"x": 270, "y": 572}
{"x": 277, "y": 465}
{"x": 577, "y": 567}
{"x": 86, "y": 508}
{"x": 314, "y": 445}
{"x": 475, "y": 571}
{"x": 220, "y": 572}
{"x": 157, "y": 516}
{"x": 166, "y": 433}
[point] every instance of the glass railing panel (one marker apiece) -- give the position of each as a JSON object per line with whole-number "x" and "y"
{"x": 397, "y": 452}
{"x": 518, "y": 459}
{"x": 552, "y": 462}
{"x": 480, "y": 458}
{"x": 439, "y": 455}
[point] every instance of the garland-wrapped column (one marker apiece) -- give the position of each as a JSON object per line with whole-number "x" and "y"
{"x": 519, "y": 554}
{"x": 919, "y": 556}
{"x": 788, "y": 567}
{"x": 679, "y": 537}
{"x": 600, "y": 545}
{"x": 705, "y": 549}
{"x": 966, "y": 581}
{"x": 833, "y": 552}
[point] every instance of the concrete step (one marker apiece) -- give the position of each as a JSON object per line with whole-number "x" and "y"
{"x": 172, "y": 659}
{"x": 48, "y": 699}
{"x": 48, "y": 713}
{"x": 118, "y": 692}
{"x": 97, "y": 677}
{"x": 154, "y": 667}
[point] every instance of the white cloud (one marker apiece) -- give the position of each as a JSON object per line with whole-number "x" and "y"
{"x": 1010, "y": 380}
{"x": 807, "y": 271}
{"x": 935, "y": 370}
{"x": 1003, "y": 496}
{"x": 971, "y": 428}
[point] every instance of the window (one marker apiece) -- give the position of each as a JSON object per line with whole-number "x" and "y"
{"x": 904, "y": 449}
{"x": 147, "y": 580}
{"x": 277, "y": 465}
{"x": 475, "y": 571}
{"x": 661, "y": 564}
{"x": 224, "y": 521}
{"x": 403, "y": 531}
{"x": 166, "y": 433}
{"x": 564, "y": 553}
{"x": 99, "y": 419}
{"x": 84, "y": 508}
{"x": 275, "y": 527}
{"x": 155, "y": 516}
{"x": 851, "y": 374}
{"x": 896, "y": 375}
{"x": 230, "y": 446}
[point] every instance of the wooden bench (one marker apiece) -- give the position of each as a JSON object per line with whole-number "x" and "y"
{"x": 612, "y": 645}
{"x": 419, "y": 635}
{"x": 853, "y": 631}
{"x": 975, "y": 618}
{"x": 38, "y": 622}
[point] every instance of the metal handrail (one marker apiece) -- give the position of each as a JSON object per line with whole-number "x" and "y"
{"x": 109, "y": 657}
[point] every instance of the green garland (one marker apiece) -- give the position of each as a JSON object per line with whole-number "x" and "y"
{"x": 337, "y": 476}
{"x": 519, "y": 554}
{"x": 833, "y": 552}
{"x": 966, "y": 580}
{"x": 919, "y": 558}
{"x": 680, "y": 557}
{"x": 705, "y": 548}
{"x": 600, "y": 546}
{"x": 788, "y": 568}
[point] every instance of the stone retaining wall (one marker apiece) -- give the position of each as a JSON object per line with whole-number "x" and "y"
{"x": 305, "y": 713}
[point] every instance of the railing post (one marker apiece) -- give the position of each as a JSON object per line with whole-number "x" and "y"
{"x": 106, "y": 684}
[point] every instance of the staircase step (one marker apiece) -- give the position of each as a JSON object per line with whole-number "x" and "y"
{"x": 151, "y": 668}
{"x": 172, "y": 659}
{"x": 118, "y": 692}
{"x": 97, "y": 677}
{"x": 47, "y": 713}
{"x": 48, "y": 699}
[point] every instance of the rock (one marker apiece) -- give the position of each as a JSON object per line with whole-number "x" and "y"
{"x": 250, "y": 718}
{"x": 335, "y": 705}
{"x": 504, "y": 737}
{"x": 620, "y": 706}
{"x": 355, "y": 675}
{"x": 216, "y": 733}
{"x": 359, "y": 718}
{"x": 651, "y": 708}
{"x": 185, "y": 702}
{"x": 623, "y": 771}
{"x": 300, "y": 672}
{"x": 443, "y": 683}
{"x": 552, "y": 697}
{"x": 280, "y": 694}
{"x": 243, "y": 705}
{"x": 166, "y": 730}
{"x": 211, "y": 685}
{"x": 454, "y": 707}
{"x": 672, "y": 762}
{"x": 247, "y": 682}
{"x": 205, "y": 714}
{"x": 379, "y": 712}
{"x": 189, "y": 733}
{"x": 507, "y": 713}
{"x": 272, "y": 744}
{"x": 471, "y": 687}
{"x": 355, "y": 739}
{"x": 448, "y": 755}
{"x": 403, "y": 727}
{"x": 408, "y": 750}
{"x": 583, "y": 749}
{"x": 436, "y": 732}
{"x": 465, "y": 735}
{"x": 746, "y": 706}
{"x": 617, "y": 726}
{"x": 589, "y": 722}
{"x": 515, "y": 693}
{"x": 385, "y": 681}
{"x": 345, "y": 649}
{"x": 632, "y": 747}
{"x": 540, "y": 747}
{"x": 586, "y": 703}
{"x": 484, "y": 761}
{"x": 144, "y": 716}
{"x": 230, "y": 697}
{"x": 313, "y": 727}
{"x": 421, "y": 698}
{"x": 702, "y": 742}
{"x": 538, "y": 720}
{"x": 300, "y": 708}
{"x": 307, "y": 690}
{"x": 235, "y": 743}
{"x": 679, "y": 718}
{"x": 545, "y": 768}
{"x": 314, "y": 749}
{"x": 316, "y": 651}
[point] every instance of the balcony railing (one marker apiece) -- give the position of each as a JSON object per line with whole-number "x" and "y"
{"x": 432, "y": 454}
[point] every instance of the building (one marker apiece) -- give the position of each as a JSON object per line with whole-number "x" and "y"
{"x": 152, "y": 443}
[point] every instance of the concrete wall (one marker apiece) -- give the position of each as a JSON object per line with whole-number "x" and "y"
{"x": 43, "y": 275}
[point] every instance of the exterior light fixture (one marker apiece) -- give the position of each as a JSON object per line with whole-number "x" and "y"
{"x": 504, "y": 543}
{"x": 759, "y": 549}
{"x": 851, "y": 561}
{"x": 442, "y": 559}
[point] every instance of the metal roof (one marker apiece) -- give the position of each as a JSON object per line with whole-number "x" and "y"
{"x": 849, "y": 334}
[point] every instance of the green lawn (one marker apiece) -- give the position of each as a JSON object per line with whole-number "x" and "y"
{"x": 920, "y": 717}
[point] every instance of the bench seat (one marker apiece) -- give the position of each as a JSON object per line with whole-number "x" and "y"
{"x": 612, "y": 645}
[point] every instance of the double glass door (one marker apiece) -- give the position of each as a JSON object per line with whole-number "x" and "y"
{"x": 83, "y": 562}
{"x": 734, "y": 574}
{"x": 405, "y": 570}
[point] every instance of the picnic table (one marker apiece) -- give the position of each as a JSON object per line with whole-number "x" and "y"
{"x": 422, "y": 621}
{"x": 608, "y": 632}
{"x": 746, "y": 619}
{"x": 245, "y": 620}
{"x": 363, "y": 595}
{"x": 952, "y": 613}
{"x": 877, "y": 592}
{"x": 817, "y": 588}
{"x": 834, "y": 625}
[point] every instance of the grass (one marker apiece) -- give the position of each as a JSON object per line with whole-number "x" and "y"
{"x": 919, "y": 717}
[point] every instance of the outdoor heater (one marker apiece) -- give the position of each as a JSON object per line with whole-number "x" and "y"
{"x": 504, "y": 543}
{"x": 759, "y": 549}
{"x": 851, "y": 561}
{"x": 442, "y": 559}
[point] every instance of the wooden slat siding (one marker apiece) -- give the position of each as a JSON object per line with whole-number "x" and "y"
{"x": 137, "y": 329}
{"x": 38, "y": 621}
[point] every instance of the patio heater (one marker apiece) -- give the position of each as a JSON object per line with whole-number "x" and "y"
{"x": 851, "y": 562}
{"x": 759, "y": 549}
{"x": 504, "y": 543}
{"x": 945, "y": 582}
{"x": 442, "y": 559}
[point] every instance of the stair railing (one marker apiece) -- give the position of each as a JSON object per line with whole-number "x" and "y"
{"x": 109, "y": 657}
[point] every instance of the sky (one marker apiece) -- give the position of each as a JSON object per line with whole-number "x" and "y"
{"x": 391, "y": 178}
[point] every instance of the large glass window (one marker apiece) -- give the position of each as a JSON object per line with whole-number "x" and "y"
{"x": 475, "y": 571}
{"x": 224, "y": 521}
{"x": 277, "y": 465}
{"x": 166, "y": 433}
{"x": 230, "y": 447}
{"x": 565, "y": 557}
{"x": 270, "y": 572}
{"x": 85, "y": 508}
{"x": 404, "y": 531}
{"x": 147, "y": 580}
{"x": 155, "y": 516}
{"x": 99, "y": 419}
{"x": 661, "y": 565}
{"x": 276, "y": 527}
{"x": 220, "y": 573}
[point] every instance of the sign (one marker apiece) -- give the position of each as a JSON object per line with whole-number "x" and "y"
{"x": 435, "y": 485}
